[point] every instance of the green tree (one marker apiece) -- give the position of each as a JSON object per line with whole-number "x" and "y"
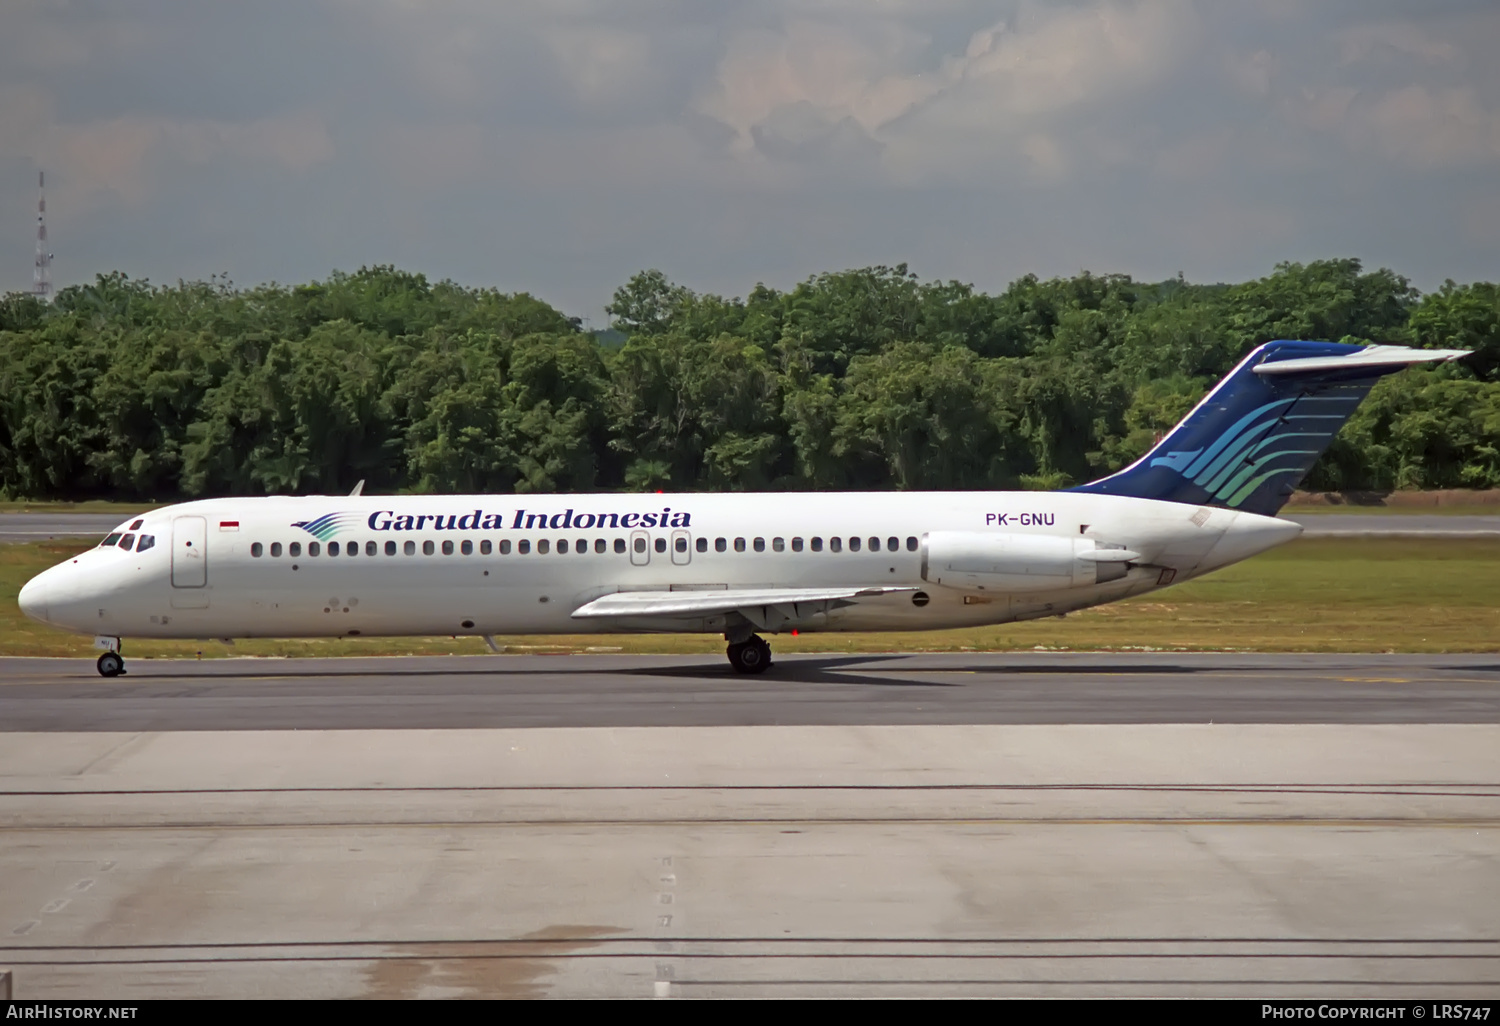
{"x": 1462, "y": 317}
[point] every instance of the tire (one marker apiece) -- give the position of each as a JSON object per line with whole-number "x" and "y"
{"x": 753, "y": 656}
{"x": 111, "y": 665}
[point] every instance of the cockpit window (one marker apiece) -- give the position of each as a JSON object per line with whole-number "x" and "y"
{"x": 110, "y": 540}
{"x": 147, "y": 541}
{"x": 137, "y": 525}
{"x": 127, "y": 541}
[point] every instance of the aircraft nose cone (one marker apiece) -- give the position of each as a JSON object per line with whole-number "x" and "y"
{"x": 33, "y": 599}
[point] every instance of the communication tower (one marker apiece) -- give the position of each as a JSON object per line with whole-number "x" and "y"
{"x": 41, "y": 274}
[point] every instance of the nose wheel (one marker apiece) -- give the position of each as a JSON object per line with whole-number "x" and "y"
{"x": 752, "y": 655}
{"x": 111, "y": 665}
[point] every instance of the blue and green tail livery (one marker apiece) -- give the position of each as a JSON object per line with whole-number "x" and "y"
{"x": 1252, "y": 439}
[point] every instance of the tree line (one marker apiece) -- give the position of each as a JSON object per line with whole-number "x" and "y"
{"x": 859, "y": 379}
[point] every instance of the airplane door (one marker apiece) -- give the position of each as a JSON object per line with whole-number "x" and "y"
{"x": 189, "y": 552}
{"x": 640, "y": 548}
{"x": 682, "y": 548}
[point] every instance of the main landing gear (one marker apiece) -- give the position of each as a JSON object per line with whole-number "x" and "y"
{"x": 111, "y": 665}
{"x": 753, "y": 655}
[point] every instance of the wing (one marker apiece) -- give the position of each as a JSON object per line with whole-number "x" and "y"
{"x": 766, "y": 608}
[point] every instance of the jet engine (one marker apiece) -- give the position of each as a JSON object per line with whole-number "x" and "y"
{"x": 1020, "y": 562}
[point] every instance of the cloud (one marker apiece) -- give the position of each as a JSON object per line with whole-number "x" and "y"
{"x": 1428, "y": 128}
{"x": 1394, "y": 41}
{"x": 993, "y": 103}
{"x": 830, "y": 65}
{"x": 561, "y": 145}
{"x": 605, "y": 66}
{"x": 1055, "y": 75}
{"x": 801, "y": 132}
{"x": 1252, "y": 73}
{"x": 126, "y": 156}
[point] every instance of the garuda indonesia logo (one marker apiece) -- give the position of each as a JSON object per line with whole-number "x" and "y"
{"x": 328, "y": 525}
{"x": 1241, "y": 459}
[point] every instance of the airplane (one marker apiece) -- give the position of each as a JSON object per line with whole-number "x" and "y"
{"x": 740, "y": 565}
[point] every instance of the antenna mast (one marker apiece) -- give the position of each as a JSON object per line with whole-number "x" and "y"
{"x": 41, "y": 274}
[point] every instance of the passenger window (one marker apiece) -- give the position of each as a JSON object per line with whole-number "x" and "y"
{"x": 523, "y": 546}
{"x": 313, "y": 548}
{"x": 911, "y": 544}
{"x": 255, "y": 549}
{"x": 874, "y": 544}
{"x": 466, "y": 548}
{"x": 739, "y": 545}
{"x": 351, "y": 548}
{"x": 581, "y": 546}
{"x": 333, "y": 549}
{"x": 681, "y": 545}
{"x": 485, "y": 548}
{"x": 275, "y": 549}
{"x": 504, "y": 546}
{"x": 619, "y": 544}
{"x": 427, "y": 548}
{"x": 853, "y": 544}
{"x": 701, "y": 544}
{"x": 127, "y": 541}
{"x": 149, "y": 541}
{"x": 600, "y": 545}
{"x": 721, "y": 545}
{"x": 562, "y": 546}
{"x": 543, "y": 546}
{"x": 796, "y": 544}
{"x": 817, "y": 544}
{"x": 760, "y": 545}
{"x": 294, "y": 549}
{"x": 893, "y": 544}
{"x": 137, "y": 525}
{"x": 835, "y": 545}
{"x": 369, "y": 548}
{"x": 661, "y": 545}
{"x": 110, "y": 540}
{"x": 640, "y": 545}
{"x": 410, "y": 548}
{"x": 778, "y": 544}
{"x": 447, "y": 547}
{"x": 390, "y": 548}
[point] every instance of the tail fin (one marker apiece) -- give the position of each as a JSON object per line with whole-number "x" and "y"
{"x": 1252, "y": 439}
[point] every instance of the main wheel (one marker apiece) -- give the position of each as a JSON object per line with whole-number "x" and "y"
{"x": 752, "y": 656}
{"x": 111, "y": 665}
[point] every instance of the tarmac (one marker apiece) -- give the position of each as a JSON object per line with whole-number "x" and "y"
{"x": 1277, "y": 862}
{"x": 843, "y": 830}
{"x": 701, "y": 690}
{"x": 1399, "y": 525}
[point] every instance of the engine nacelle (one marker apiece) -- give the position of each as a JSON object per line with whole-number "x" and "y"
{"x": 1019, "y": 562}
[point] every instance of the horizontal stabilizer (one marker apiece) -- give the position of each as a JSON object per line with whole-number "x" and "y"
{"x": 709, "y": 603}
{"x": 1252, "y": 439}
{"x": 1371, "y": 358}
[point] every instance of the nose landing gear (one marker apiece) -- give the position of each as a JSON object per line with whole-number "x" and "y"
{"x": 111, "y": 665}
{"x": 753, "y": 655}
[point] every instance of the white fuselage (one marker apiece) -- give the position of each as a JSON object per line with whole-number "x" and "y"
{"x": 507, "y": 564}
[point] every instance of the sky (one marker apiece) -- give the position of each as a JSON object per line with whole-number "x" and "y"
{"x": 560, "y": 146}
